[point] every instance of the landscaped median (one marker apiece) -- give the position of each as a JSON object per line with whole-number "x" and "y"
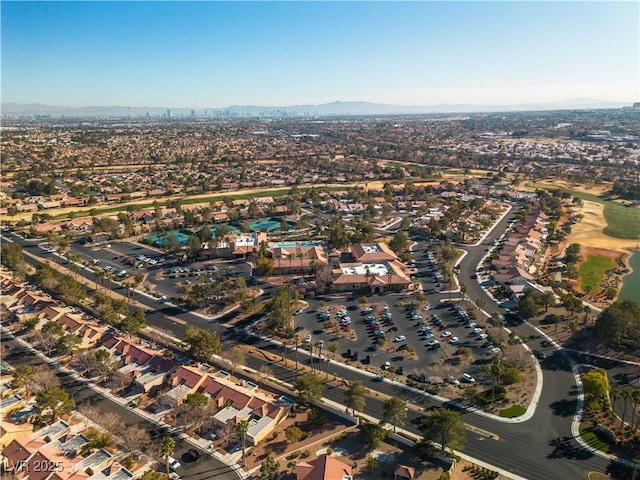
{"x": 513, "y": 411}
{"x": 591, "y": 439}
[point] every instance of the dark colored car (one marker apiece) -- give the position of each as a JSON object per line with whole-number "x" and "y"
{"x": 355, "y": 356}
{"x": 192, "y": 455}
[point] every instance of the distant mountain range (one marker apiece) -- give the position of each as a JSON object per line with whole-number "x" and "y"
{"x": 325, "y": 109}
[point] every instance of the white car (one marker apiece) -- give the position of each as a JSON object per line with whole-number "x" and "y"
{"x": 386, "y": 365}
{"x": 468, "y": 378}
{"x": 433, "y": 343}
{"x": 298, "y": 312}
{"x": 174, "y": 464}
{"x": 454, "y": 340}
{"x": 427, "y": 308}
{"x": 495, "y": 350}
{"x": 477, "y": 331}
{"x": 482, "y": 336}
{"x": 453, "y": 381}
{"x": 446, "y": 334}
{"x": 307, "y": 339}
{"x": 400, "y": 338}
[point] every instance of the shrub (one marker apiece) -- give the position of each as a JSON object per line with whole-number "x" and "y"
{"x": 329, "y": 451}
{"x": 305, "y": 454}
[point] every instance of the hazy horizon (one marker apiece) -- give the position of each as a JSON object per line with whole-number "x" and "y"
{"x": 218, "y": 54}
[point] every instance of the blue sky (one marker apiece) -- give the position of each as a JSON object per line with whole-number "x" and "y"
{"x": 216, "y": 54}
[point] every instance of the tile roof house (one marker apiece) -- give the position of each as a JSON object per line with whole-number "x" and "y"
{"x": 324, "y": 467}
{"x": 372, "y": 252}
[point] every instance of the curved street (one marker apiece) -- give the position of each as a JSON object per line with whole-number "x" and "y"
{"x": 539, "y": 448}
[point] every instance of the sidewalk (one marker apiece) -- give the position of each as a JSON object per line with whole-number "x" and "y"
{"x": 200, "y": 443}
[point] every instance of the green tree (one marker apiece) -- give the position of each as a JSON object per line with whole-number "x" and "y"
{"x": 152, "y": 475}
{"x": 22, "y": 377}
{"x": 97, "y": 440}
{"x": 496, "y": 368}
{"x": 53, "y": 328}
{"x": 372, "y": 463}
{"x": 309, "y": 388}
{"x": 168, "y": 445}
{"x": 194, "y": 247}
{"x": 316, "y": 417}
{"x": 372, "y": 435}
{"x": 133, "y": 324}
{"x": 12, "y": 257}
{"x": 596, "y": 387}
{"x": 68, "y": 344}
{"x": 281, "y": 309}
{"x": 399, "y": 242}
{"x": 202, "y": 343}
{"x": 270, "y": 469}
{"x": 394, "y": 412}
{"x": 53, "y": 402}
{"x": 444, "y": 427}
{"x": 294, "y": 434}
{"x": 355, "y": 397}
{"x": 264, "y": 266}
{"x": 619, "y": 322}
{"x": 196, "y": 399}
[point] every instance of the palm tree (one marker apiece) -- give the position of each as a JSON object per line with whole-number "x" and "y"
{"x": 635, "y": 401}
{"x": 372, "y": 463}
{"x": 72, "y": 263}
{"x": 290, "y": 256}
{"x": 626, "y": 394}
{"x": 243, "y": 427}
{"x": 300, "y": 255}
{"x": 614, "y": 394}
{"x": 168, "y": 445}
{"x": 99, "y": 274}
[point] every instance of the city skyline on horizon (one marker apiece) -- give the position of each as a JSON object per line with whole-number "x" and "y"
{"x": 218, "y": 54}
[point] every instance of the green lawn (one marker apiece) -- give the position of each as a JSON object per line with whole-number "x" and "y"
{"x": 593, "y": 441}
{"x": 513, "y": 411}
{"x": 215, "y": 197}
{"x": 592, "y": 271}
{"x": 622, "y": 221}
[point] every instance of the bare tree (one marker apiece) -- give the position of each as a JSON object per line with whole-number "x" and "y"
{"x": 87, "y": 360}
{"x": 264, "y": 373}
{"x": 111, "y": 422}
{"x": 134, "y": 438}
{"x": 44, "y": 378}
{"x": 118, "y": 380}
{"x": 90, "y": 414}
{"x": 228, "y": 434}
{"x": 47, "y": 340}
{"x": 233, "y": 358}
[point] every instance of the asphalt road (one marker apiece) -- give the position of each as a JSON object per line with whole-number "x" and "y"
{"x": 206, "y": 467}
{"x": 541, "y": 448}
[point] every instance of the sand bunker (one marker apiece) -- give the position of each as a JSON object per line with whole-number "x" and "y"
{"x": 589, "y": 231}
